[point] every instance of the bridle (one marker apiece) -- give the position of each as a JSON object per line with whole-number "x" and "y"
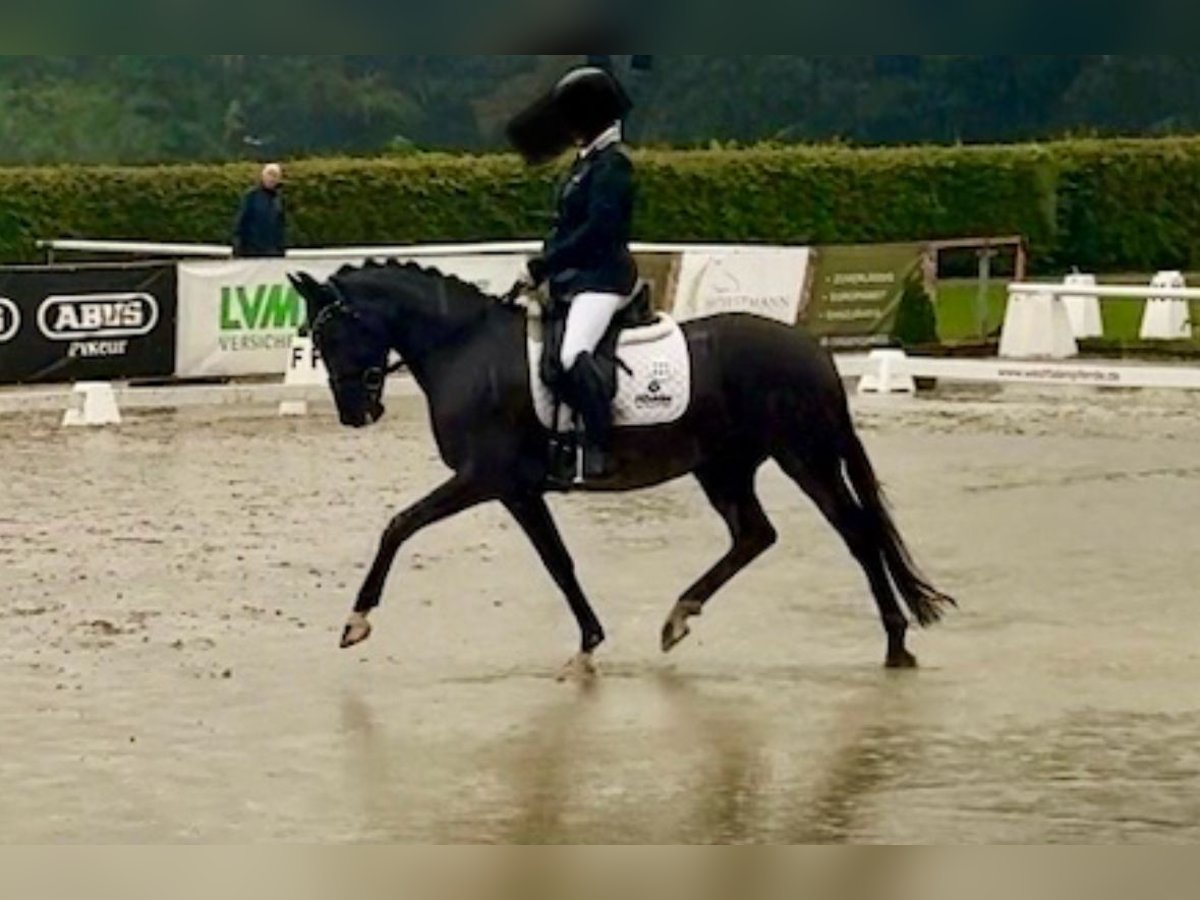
{"x": 371, "y": 379}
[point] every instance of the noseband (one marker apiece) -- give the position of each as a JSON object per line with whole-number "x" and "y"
{"x": 373, "y": 378}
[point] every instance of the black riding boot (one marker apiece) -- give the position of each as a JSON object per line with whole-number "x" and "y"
{"x": 591, "y": 398}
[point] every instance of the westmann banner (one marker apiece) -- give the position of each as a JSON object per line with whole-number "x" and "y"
{"x": 83, "y": 323}
{"x": 763, "y": 281}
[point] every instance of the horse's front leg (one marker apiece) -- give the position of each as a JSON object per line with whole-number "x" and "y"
{"x": 450, "y": 499}
{"x": 534, "y": 517}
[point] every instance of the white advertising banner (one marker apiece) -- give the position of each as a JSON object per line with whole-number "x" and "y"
{"x": 766, "y": 281}
{"x": 238, "y": 317}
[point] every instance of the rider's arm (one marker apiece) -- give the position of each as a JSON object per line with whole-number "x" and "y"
{"x": 609, "y": 205}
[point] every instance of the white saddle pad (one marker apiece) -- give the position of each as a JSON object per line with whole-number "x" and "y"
{"x": 657, "y": 393}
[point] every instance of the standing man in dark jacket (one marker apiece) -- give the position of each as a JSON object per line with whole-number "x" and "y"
{"x": 261, "y": 228}
{"x": 586, "y": 258}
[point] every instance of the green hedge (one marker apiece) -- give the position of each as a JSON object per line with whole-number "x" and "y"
{"x": 1130, "y": 206}
{"x": 1102, "y": 205}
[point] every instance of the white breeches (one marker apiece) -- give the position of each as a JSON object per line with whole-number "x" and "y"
{"x": 588, "y": 319}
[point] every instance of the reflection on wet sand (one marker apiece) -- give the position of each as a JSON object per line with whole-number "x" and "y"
{"x": 728, "y": 797}
{"x": 875, "y": 743}
{"x": 706, "y": 775}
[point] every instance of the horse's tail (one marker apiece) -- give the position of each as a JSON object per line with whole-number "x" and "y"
{"x": 926, "y": 603}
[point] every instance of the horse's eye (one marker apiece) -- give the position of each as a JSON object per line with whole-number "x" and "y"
{"x": 373, "y": 379}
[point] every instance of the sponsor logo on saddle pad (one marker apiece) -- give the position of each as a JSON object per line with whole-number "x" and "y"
{"x": 657, "y": 393}
{"x": 98, "y": 325}
{"x": 10, "y": 320}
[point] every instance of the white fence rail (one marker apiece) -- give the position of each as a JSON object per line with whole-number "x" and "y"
{"x": 493, "y": 248}
{"x": 1106, "y": 292}
{"x": 1046, "y": 321}
{"x": 892, "y": 372}
{"x": 136, "y": 248}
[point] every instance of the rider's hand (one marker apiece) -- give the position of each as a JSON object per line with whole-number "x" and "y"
{"x": 521, "y": 288}
{"x": 537, "y": 271}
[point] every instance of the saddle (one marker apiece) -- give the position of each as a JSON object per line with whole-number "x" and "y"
{"x": 639, "y": 313}
{"x": 652, "y": 389}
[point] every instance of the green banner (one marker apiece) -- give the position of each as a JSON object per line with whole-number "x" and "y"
{"x": 857, "y": 291}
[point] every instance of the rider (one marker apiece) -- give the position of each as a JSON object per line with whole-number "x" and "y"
{"x": 586, "y": 258}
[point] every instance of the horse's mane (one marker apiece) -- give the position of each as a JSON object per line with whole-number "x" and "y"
{"x": 458, "y": 289}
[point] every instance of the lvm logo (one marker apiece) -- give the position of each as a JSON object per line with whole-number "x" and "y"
{"x": 10, "y": 320}
{"x": 259, "y": 317}
{"x": 261, "y": 307}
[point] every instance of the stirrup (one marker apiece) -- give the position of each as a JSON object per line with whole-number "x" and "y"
{"x": 562, "y": 471}
{"x": 598, "y": 465}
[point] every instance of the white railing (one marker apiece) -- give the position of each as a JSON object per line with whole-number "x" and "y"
{"x": 893, "y": 372}
{"x": 218, "y": 251}
{"x": 136, "y": 248}
{"x": 1046, "y": 321}
{"x": 423, "y": 251}
{"x": 1107, "y": 292}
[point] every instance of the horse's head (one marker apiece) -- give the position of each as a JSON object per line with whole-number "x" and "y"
{"x": 354, "y": 345}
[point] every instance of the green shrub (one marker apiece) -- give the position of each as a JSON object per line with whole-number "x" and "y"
{"x": 1101, "y": 205}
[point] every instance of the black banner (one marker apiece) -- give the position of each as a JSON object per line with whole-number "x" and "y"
{"x": 87, "y": 323}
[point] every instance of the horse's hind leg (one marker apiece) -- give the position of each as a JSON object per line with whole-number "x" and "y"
{"x": 820, "y": 476}
{"x": 730, "y": 489}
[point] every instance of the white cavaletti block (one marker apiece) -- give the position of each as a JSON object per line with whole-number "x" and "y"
{"x": 1083, "y": 309}
{"x": 1167, "y": 320}
{"x": 887, "y": 373}
{"x": 1036, "y": 326}
{"x": 93, "y": 404}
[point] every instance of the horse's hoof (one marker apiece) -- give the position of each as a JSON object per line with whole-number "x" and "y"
{"x": 675, "y": 632}
{"x": 358, "y": 629}
{"x": 902, "y": 661}
{"x": 581, "y": 669}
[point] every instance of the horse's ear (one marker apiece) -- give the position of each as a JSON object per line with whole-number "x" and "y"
{"x": 315, "y": 296}
{"x": 298, "y": 282}
{"x": 309, "y": 288}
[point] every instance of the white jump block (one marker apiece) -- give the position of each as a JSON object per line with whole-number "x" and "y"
{"x": 304, "y": 369}
{"x": 1083, "y": 309}
{"x": 1167, "y": 320}
{"x": 887, "y": 373}
{"x": 93, "y": 405}
{"x": 1037, "y": 326}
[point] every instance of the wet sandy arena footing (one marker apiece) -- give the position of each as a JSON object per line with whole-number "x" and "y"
{"x": 173, "y": 592}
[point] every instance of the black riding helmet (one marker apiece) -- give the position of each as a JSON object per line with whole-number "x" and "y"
{"x": 590, "y": 101}
{"x": 579, "y": 108}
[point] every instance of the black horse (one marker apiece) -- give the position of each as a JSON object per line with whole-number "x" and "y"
{"x": 760, "y": 391}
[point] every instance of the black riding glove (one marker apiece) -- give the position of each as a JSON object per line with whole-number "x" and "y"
{"x": 537, "y": 271}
